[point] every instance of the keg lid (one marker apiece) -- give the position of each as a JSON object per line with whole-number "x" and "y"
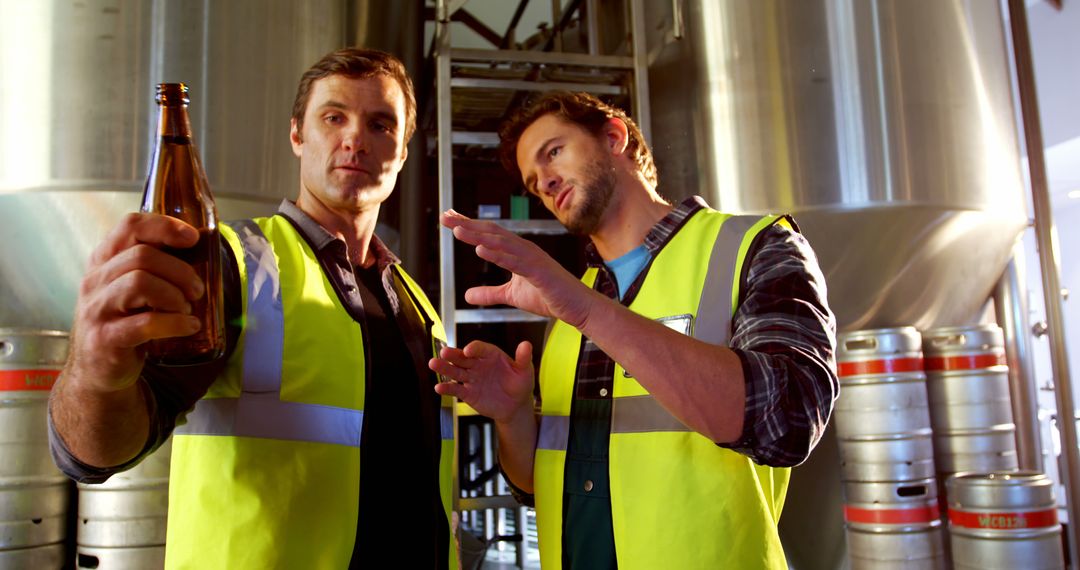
{"x": 1016, "y": 490}
{"x": 951, "y": 340}
{"x": 878, "y": 342}
{"x": 876, "y": 352}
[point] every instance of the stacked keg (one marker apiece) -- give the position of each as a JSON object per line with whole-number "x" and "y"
{"x": 33, "y": 492}
{"x": 887, "y": 458}
{"x": 122, "y": 521}
{"x": 1004, "y": 521}
{"x": 968, "y": 386}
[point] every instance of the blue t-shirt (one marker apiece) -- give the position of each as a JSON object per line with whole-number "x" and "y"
{"x": 627, "y": 267}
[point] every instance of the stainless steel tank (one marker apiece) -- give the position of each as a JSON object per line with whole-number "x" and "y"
{"x": 77, "y": 121}
{"x": 885, "y": 126}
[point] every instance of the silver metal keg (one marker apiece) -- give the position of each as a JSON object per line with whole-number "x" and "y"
{"x": 33, "y": 492}
{"x": 122, "y": 521}
{"x": 967, "y": 382}
{"x": 894, "y": 524}
{"x": 48, "y": 556}
{"x": 1004, "y": 520}
{"x": 882, "y": 417}
{"x": 903, "y": 457}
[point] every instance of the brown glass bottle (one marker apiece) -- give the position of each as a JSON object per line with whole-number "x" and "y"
{"x": 176, "y": 186}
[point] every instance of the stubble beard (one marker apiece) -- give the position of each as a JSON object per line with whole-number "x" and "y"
{"x": 598, "y": 190}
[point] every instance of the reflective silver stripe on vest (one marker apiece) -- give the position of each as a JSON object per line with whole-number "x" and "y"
{"x": 446, "y": 422}
{"x": 554, "y": 433}
{"x": 714, "y": 327}
{"x": 641, "y": 414}
{"x": 265, "y": 416}
{"x": 259, "y": 411}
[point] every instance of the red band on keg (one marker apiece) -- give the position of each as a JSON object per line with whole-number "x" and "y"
{"x": 926, "y": 514}
{"x": 968, "y": 362}
{"x": 884, "y": 366}
{"x": 19, "y": 380}
{"x": 1004, "y": 520}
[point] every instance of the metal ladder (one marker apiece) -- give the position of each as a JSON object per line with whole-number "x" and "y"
{"x": 460, "y": 70}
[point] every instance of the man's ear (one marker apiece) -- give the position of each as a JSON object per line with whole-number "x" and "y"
{"x": 616, "y": 135}
{"x": 295, "y": 138}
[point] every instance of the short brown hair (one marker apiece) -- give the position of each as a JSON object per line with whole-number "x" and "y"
{"x": 580, "y": 108}
{"x": 358, "y": 63}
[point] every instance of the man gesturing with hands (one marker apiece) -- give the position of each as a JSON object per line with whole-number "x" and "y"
{"x": 689, "y": 367}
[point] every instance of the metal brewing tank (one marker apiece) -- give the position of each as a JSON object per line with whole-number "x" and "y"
{"x": 78, "y": 120}
{"x": 885, "y": 126}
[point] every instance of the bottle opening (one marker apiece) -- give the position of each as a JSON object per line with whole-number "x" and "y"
{"x": 172, "y": 94}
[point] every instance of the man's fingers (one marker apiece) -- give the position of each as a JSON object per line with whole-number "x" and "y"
{"x": 457, "y": 357}
{"x": 445, "y": 368}
{"x": 478, "y": 349}
{"x": 523, "y": 354}
{"x": 151, "y": 229}
{"x": 162, "y": 264}
{"x": 454, "y": 389}
{"x": 142, "y": 290}
{"x": 145, "y": 259}
{"x": 137, "y": 329}
{"x": 486, "y": 295}
{"x": 478, "y": 231}
{"x": 503, "y": 258}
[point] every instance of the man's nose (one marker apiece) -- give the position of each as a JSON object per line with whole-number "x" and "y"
{"x": 550, "y": 183}
{"x": 354, "y": 139}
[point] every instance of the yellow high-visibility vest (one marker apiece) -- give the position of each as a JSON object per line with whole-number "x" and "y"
{"x": 677, "y": 499}
{"x": 266, "y": 468}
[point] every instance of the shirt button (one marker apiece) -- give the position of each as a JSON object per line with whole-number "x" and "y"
{"x": 603, "y": 391}
{"x": 588, "y": 485}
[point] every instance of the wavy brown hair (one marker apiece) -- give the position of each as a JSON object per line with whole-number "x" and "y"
{"x": 579, "y": 108}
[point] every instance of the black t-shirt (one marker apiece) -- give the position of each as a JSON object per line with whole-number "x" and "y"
{"x": 400, "y": 511}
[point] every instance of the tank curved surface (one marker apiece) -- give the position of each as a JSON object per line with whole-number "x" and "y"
{"x": 886, "y": 127}
{"x": 77, "y": 121}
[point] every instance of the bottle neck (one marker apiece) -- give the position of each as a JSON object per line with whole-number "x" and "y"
{"x": 173, "y": 123}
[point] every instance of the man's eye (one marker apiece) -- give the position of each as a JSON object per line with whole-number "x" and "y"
{"x": 555, "y": 150}
{"x": 333, "y": 119}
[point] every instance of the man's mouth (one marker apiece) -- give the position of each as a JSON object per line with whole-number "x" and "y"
{"x": 351, "y": 168}
{"x": 562, "y": 197}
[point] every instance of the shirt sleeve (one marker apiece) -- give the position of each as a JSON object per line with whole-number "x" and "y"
{"x": 785, "y": 336}
{"x": 170, "y": 391}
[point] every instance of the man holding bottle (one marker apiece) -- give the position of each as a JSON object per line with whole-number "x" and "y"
{"x": 324, "y": 369}
{"x": 679, "y": 382}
